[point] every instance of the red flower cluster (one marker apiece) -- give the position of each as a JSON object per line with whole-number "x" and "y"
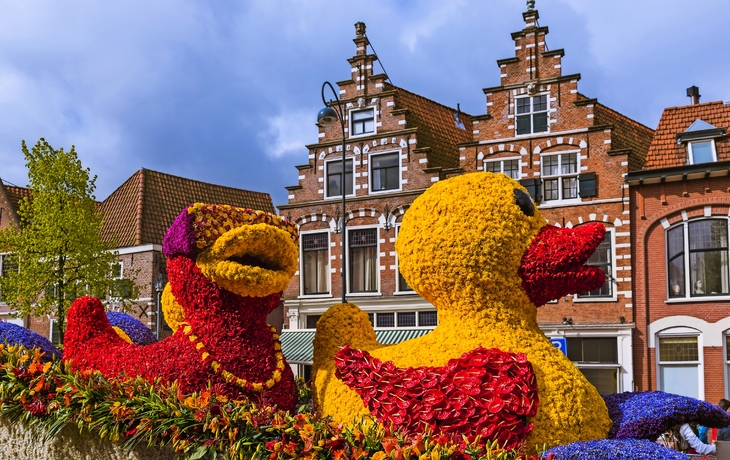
{"x": 485, "y": 392}
{"x": 232, "y": 328}
{"x": 553, "y": 266}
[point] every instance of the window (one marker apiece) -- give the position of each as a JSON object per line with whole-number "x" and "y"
{"x": 597, "y": 359}
{"x": 55, "y": 333}
{"x": 334, "y": 177}
{"x": 402, "y": 285}
{"x": 704, "y": 271}
{"x": 701, "y": 152}
{"x": 727, "y": 362}
{"x": 560, "y": 176}
{"x": 404, "y": 319}
{"x": 312, "y": 321}
{"x": 121, "y": 287}
{"x": 508, "y": 167}
{"x": 602, "y": 257}
{"x": 362, "y": 122}
{"x": 315, "y": 263}
{"x": 532, "y": 114}
{"x": 117, "y": 271}
{"x": 679, "y": 364}
{"x": 363, "y": 260}
{"x": 385, "y": 172}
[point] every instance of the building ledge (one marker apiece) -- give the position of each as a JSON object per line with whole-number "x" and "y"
{"x": 677, "y": 173}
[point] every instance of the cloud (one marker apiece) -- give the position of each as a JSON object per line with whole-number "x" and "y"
{"x": 288, "y": 133}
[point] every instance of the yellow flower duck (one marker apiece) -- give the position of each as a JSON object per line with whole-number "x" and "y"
{"x": 476, "y": 248}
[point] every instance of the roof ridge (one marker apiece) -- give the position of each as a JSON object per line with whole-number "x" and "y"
{"x": 200, "y": 182}
{"x": 629, "y": 119}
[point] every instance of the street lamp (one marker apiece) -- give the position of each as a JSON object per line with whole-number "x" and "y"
{"x": 327, "y": 117}
{"x": 159, "y": 286}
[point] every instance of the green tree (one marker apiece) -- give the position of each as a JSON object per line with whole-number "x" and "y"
{"x": 58, "y": 252}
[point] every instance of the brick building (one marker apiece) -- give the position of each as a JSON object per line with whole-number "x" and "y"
{"x": 136, "y": 217}
{"x": 679, "y": 221}
{"x": 397, "y": 144}
{"x": 568, "y": 150}
{"x": 571, "y": 153}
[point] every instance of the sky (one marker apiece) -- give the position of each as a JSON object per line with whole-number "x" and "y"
{"x": 227, "y": 92}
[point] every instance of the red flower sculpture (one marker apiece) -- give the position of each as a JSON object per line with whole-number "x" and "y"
{"x": 485, "y": 392}
{"x": 224, "y": 340}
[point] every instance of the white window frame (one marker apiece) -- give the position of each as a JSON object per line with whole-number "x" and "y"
{"x": 531, "y": 114}
{"x": 2, "y": 272}
{"x": 326, "y": 175}
{"x": 395, "y": 319}
{"x": 617, "y": 367}
{"x": 690, "y": 153}
{"x": 50, "y": 331}
{"x": 362, "y": 109}
{"x": 349, "y": 261}
{"x": 501, "y": 165}
{"x": 301, "y": 265}
{"x": 121, "y": 270}
{"x": 680, "y": 332}
{"x": 688, "y": 297}
{"x": 725, "y": 349}
{"x": 397, "y": 269}
{"x": 560, "y": 177}
{"x": 613, "y": 297}
{"x": 372, "y": 191}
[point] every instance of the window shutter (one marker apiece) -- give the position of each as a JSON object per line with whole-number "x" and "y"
{"x": 534, "y": 188}
{"x": 588, "y": 184}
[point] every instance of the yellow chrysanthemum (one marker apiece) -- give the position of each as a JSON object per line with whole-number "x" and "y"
{"x": 122, "y": 334}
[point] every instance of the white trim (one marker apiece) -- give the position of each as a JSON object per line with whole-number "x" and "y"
{"x": 681, "y": 330}
{"x": 362, "y": 109}
{"x": 137, "y": 249}
{"x": 547, "y": 111}
{"x": 560, "y": 176}
{"x": 501, "y": 164}
{"x": 690, "y": 154}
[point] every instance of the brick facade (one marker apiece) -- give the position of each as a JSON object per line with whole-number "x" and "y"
{"x": 674, "y": 192}
{"x": 605, "y": 144}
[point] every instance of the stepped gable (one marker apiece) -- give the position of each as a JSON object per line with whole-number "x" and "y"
{"x": 664, "y": 151}
{"x": 436, "y": 127}
{"x": 142, "y": 208}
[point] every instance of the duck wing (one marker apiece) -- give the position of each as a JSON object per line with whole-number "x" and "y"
{"x": 485, "y": 392}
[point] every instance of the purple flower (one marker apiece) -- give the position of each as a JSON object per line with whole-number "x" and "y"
{"x": 646, "y": 415}
{"x": 614, "y": 449}
{"x": 12, "y": 334}
{"x": 180, "y": 237}
{"x": 137, "y": 332}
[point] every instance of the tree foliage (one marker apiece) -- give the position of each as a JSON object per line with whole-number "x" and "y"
{"x": 58, "y": 253}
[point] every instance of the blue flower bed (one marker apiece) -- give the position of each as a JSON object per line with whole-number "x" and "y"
{"x": 12, "y": 334}
{"x": 647, "y": 414}
{"x": 614, "y": 449}
{"x": 137, "y": 332}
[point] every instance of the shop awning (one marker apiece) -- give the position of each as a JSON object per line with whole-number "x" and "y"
{"x": 298, "y": 349}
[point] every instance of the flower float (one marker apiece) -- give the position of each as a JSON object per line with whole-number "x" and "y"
{"x": 226, "y": 268}
{"x": 614, "y": 449}
{"x": 476, "y": 248}
{"x": 12, "y": 334}
{"x": 130, "y": 329}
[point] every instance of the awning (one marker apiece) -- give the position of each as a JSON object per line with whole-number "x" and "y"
{"x": 298, "y": 349}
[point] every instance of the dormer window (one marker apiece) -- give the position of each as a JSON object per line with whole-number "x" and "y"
{"x": 362, "y": 122}
{"x": 531, "y": 114}
{"x": 701, "y": 152}
{"x": 700, "y": 141}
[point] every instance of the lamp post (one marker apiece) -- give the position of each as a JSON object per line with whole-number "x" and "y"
{"x": 327, "y": 117}
{"x": 159, "y": 286}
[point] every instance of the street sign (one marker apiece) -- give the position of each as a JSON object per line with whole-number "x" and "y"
{"x": 560, "y": 343}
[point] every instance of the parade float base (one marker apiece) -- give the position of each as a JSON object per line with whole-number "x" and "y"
{"x": 18, "y": 442}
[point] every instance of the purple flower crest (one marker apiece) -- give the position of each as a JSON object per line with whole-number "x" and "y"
{"x": 614, "y": 449}
{"x": 134, "y": 328}
{"x": 12, "y": 334}
{"x": 180, "y": 237}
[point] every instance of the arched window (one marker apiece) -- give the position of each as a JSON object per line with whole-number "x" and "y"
{"x": 697, "y": 258}
{"x": 679, "y": 358}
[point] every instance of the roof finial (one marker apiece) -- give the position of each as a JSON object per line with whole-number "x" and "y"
{"x": 360, "y": 29}
{"x": 530, "y": 5}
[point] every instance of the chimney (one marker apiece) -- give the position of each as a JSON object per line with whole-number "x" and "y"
{"x": 693, "y": 93}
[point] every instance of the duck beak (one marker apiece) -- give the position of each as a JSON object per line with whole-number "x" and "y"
{"x": 554, "y": 264}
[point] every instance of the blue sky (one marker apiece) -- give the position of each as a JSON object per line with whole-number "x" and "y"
{"x": 228, "y": 91}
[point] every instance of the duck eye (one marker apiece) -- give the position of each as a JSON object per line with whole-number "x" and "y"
{"x": 523, "y": 200}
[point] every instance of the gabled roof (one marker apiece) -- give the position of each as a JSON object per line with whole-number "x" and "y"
{"x": 436, "y": 125}
{"x": 143, "y": 207}
{"x": 15, "y": 194}
{"x": 666, "y": 152}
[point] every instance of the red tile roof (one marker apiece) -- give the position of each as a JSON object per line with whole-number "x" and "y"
{"x": 143, "y": 207}
{"x": 665, "y": 152}
{"x": 15, "y": 194}
{"x": 436, "y": 127}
